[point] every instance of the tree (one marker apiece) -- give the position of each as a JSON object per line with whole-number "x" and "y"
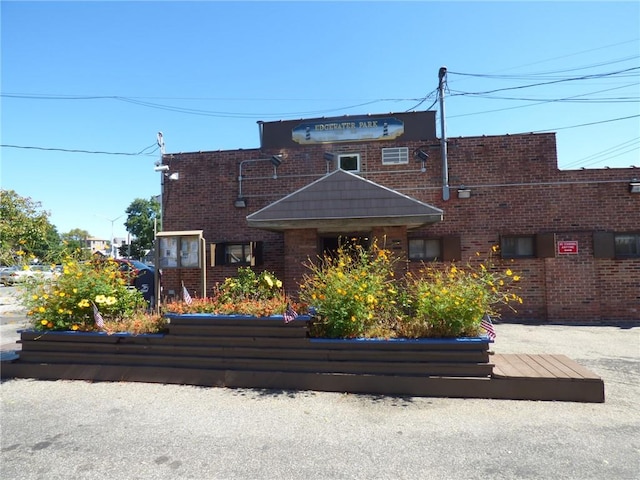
{"x": 26, "y": 235}
{"x": 143, "y": 220}
{"x": 76, "y": 243}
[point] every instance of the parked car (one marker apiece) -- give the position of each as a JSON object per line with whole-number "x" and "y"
{"x": 12, "y": 275}
{"x": 141, "y": 276}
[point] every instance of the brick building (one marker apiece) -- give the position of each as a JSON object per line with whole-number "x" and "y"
{"x": 573, "y": 235}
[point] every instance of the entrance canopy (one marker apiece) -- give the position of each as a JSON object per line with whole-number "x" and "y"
{"x": 341, "y": 201}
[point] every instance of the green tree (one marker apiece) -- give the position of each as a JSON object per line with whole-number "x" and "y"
{"x": 143, "y": 220}
{"x": 26, "y": 235}
{"x": 75, "y": 241}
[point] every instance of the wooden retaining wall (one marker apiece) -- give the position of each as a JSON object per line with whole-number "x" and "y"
{"x": 247, "y": 352}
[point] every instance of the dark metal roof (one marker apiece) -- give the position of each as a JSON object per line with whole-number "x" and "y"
{"x": 344, "y": 201}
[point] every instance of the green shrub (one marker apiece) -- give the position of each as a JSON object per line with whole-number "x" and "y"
{"x": 352, "y": 292}
{"x": 249, "y": 293}
{"x": 450, "y": 300}
{"x": 65, "y": 302}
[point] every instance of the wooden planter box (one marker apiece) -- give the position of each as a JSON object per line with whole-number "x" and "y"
{"x": 241, "y": 351}
{"x": 248, "y": 352}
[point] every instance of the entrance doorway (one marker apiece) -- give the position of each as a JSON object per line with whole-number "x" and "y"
{"x": 329, "y": 244}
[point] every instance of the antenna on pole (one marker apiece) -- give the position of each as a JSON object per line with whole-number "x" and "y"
{"x": 442, "y": 73}
{"x": 161, "y": 143}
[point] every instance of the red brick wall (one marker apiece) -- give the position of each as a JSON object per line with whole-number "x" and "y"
{"x": 515, "y": 186}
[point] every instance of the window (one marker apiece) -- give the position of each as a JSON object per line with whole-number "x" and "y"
{"x": 447, "y": 248}
{"x": 425, "y": 249}
{"x": 518, "y": 246}
{"x": 395, "y": 156}
{"x": 236, "y": 253}
{"x": 349, "y": 161}
{"x": 627, "y": 245}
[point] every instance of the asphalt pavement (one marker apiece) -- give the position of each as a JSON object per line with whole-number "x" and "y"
{"x": 81, "y": 430}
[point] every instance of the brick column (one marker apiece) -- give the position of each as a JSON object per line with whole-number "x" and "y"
{"x": 300, "y": 247}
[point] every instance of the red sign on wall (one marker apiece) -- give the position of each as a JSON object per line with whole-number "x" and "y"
{"x": 568, "y": 247}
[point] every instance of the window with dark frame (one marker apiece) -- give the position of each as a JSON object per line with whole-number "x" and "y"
{"x": 426, "y": 249}
{"x": 518, "y": 246}
{"x": 349, "y": 161}
{"x": 236, "y": 253}
{"x": 627, "y": 245}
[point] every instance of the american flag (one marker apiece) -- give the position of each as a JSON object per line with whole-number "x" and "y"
{"x": 185, "y": 295}
{"x": 289, "y": 314}
{"x": 97, "y": 317}
{"x": 487, "y": 324}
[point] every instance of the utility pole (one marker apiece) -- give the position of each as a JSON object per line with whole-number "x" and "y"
{"x": 443, "y": 135}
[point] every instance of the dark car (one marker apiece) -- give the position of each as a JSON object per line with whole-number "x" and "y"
{"x": 141, "y": 276}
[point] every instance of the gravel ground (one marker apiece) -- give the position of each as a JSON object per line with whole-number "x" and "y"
{"x": 81, "y": 430}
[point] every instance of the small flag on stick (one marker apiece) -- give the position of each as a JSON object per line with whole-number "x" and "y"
{"x": 97, "y": 317}
{"x": 487, "y": 324}
{"x": 185, "y": 295}
{"x": 289, "y": 314}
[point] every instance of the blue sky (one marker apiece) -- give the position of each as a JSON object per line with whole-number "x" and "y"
{"x": 107, "y": 76}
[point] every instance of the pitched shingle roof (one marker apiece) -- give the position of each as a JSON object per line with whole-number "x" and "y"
{"x": 342, "y": 200}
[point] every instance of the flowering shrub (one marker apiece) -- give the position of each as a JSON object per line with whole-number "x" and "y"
{"x": 450, "y": 301}
{"x": 248, "y": 286}
{"x": 258, "y": 295}
{"x": 352, "y": 292}
{"x": 65, "y": 303}
{"x": 355, "y": 294}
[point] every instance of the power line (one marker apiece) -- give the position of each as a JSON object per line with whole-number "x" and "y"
{"x": 583, "y": 124}
{"x": 629, "y": 146}
{"x": 209, "y": 113}
{"x": 542, "y": 75}
{"x": 68, "y": 150}
{"x": 539, "y": 84}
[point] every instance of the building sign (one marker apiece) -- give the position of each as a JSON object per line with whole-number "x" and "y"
{"x": 568, "y": 247}
{"x": 348, "y": 130}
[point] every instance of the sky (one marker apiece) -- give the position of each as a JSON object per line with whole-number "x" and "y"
{"x": 86, "y": 86}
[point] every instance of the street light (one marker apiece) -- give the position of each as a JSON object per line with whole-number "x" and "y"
{"x": 112, "y": 222}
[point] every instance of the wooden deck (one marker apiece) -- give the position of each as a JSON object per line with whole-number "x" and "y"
{"x": 546, "y": 377}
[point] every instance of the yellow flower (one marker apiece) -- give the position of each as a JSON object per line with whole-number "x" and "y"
{"x": 44, "y": 322}
{"x": 279, "y": 283}
{"x": 516, "y": 278}
{"x": 269, "y": 281}
{"x": 35, "y": 297}
{"x": 62, "y": 294}
{"x": 100, "y": 299}
{"x": 509, "y": 272}
{"x": 41, "y": 309}
{"x": 74, "y": 327}
{"x": 353, "y": 318}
